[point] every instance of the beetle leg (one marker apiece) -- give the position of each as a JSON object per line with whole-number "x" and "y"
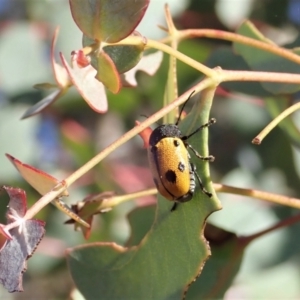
{"x": 209, "y": 158}
{"x": 174, "y": 206}
{"x": 204, "y": 191}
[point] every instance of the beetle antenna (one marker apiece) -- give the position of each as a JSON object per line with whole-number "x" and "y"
{"x": 181, "y": 110}
{"x": 210, "y": 122}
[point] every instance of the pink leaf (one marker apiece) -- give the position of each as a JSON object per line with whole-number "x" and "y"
{"x": 88, "y": 86}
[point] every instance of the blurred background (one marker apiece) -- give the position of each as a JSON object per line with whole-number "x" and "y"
{"x": 69, "y": 133}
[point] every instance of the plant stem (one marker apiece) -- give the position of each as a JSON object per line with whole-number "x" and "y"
{"x": 171, "y": 89}
{"x": 116, "y": 200}
{"x": 266, "y": 196}
{"x": 284, "y": 223}
{"x": 218, "y": 74}
{"x": 258, "y": 139}
{"x": 232, "y": 75}
{"x": 234, "y": 37}
{"x": 133, "y": 40}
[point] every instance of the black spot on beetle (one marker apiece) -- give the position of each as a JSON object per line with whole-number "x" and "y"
{"x": 170, "y": 176}
{"x": 181, "y": 166}
{"x": 176, "y": 143}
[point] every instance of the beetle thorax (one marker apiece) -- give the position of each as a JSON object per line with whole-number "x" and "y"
{"x": 163, "y": 131}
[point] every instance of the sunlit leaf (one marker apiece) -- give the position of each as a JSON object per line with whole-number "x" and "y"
{"x": 60, "y": 73}
{"x": 90, "y": 89}
{"x": 107, "y": 73}
{"x": 108, "y": 20}
{"x": 38, "y": 179}
{"x": 148, "y": 64}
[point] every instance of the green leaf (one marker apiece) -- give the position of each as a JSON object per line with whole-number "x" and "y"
{"x": 221, "y": 269}
{"x": 108, "y": 20}
{"x": 124, "y": 57}
{"x": 140, "y": 220}
{"x": 167, "y": 258}
{"x": 159, "y": 268}
{"x": 107, "y": 73}
{"x": 260, "y": 60}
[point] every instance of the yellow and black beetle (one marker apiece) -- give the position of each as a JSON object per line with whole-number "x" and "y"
{"x": 173, "y": 173}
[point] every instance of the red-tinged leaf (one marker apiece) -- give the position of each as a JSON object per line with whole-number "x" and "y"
{"x": 44, "y": 183}
{"x": 108, "y": 73}
{"x": 17, "y": 250}
{"x": 44, "y": 103}
{"x": 145, "y": 134}
{"x": 39, "y": 180}
{"x": 91, "y": 90}
{"x": 148, "y": 64}
{"x": 62, "y": 206}
{"x": 17, "y": 201}
{"x": 107, "y": 20}
{"x": 4, "y": 233}
{"x": 60, "y": 73}
{"x": 91, "y": 205}
{"x": 4, "y": 236}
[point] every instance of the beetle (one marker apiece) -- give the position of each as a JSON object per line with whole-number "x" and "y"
{"x": 170, "y": 162}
